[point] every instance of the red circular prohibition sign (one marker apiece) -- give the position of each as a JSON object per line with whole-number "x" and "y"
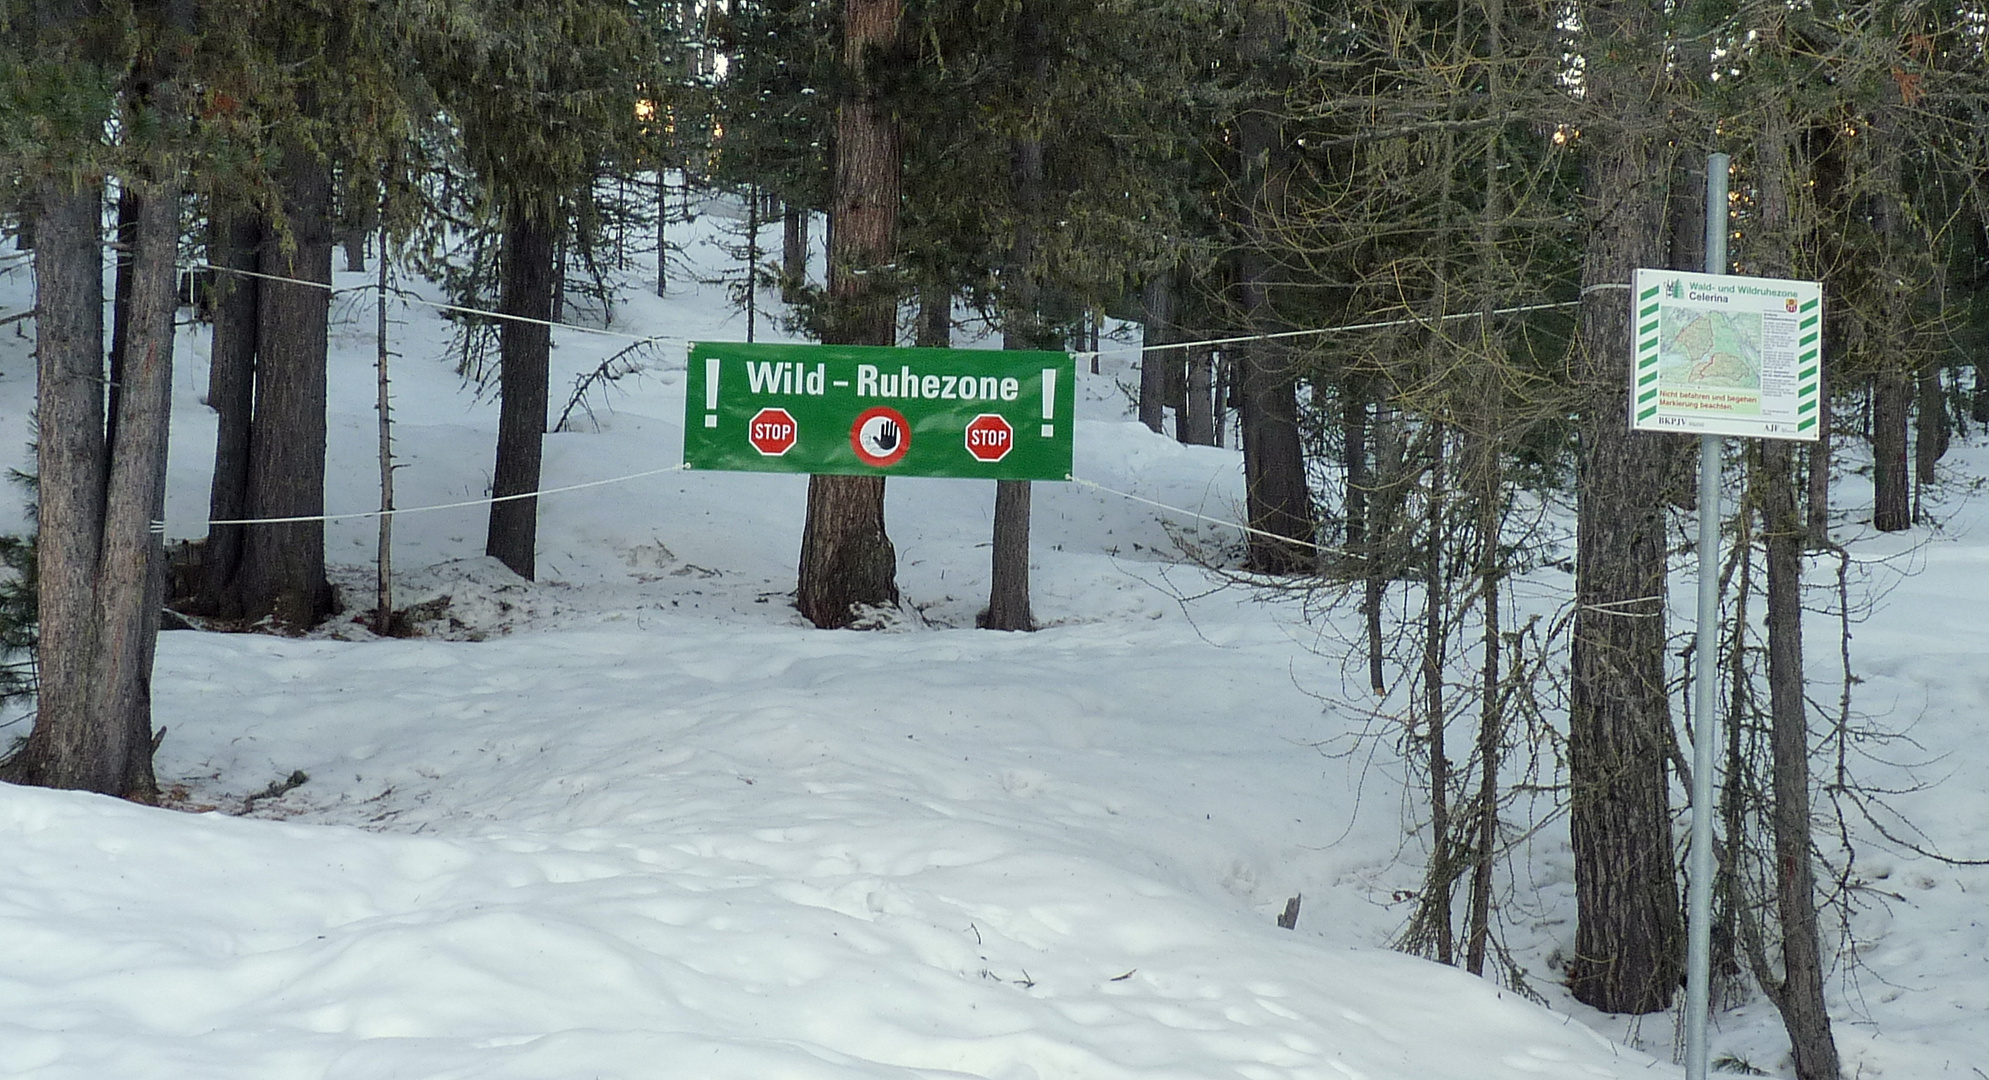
{"x": 880, "y": 437}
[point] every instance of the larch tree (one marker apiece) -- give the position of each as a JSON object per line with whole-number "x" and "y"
{"x": 1773, "y": 484}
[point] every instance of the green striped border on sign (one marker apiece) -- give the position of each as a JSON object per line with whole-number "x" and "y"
{"x": 1809, "y": 364}
{"x": 1645, "y": 322}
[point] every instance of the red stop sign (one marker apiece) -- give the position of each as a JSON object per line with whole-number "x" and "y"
{"x": 989, "y": 438}
{"x": 772, "y": 431}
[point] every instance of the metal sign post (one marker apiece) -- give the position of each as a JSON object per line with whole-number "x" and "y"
{"x": 1699, "y": 901}
{"x": 1718, "y": 354}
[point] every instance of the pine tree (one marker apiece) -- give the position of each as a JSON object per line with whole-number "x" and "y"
{"x": 292, "y": 97}
{"x": 847, "y": 560}
{"x": 101, "y": 456}
{"x": 1629, "y": 933}
{"x": 545, "y": 95}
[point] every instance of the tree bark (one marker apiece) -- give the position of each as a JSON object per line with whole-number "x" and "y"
{"x": 793, "y": 251}
{"x": 1157, "y": 302}
{"x": 1008, "y": 595}
{"x": 1816, "y": 466}
{"x": 383, "y": 592}
{"x": 234, "y": 234}
{"x": 1892, "y": 330}
{"x": 1930, "y": 429}
{"x": 70, "y": 746}
{"x": 663, "y": 229}
{"x": 101, "y": 571}
{"x": 1892, "y": 484}
{"x": 1277, "y": 500}
{"x": 1360, "y": 535}
{"x": 847, "y": 561}
{"x": 935, "y": 318}
{"x": 1491, "y": 708}
{"x": 121, "y": 285}
{"x": 282, "y": 574}
{"x": 1628, "y": 935}
{"x": 526, "y": 289}
{"x": 1436, "y": 714}
{"x": 1195, "y": 426}
{"x": 1022, "y": 318}
{"x": 131, "y": 575}
{"x": 1488, "y": 484}
{"x": 1799, "y": 997}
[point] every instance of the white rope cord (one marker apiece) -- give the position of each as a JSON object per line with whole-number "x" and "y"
{"x": 440, "y": 306}
{"x": 443, "y": 506}
{"x": 1226, "y": 523}
{"x": 665, "y": 338}
{"x": 1613, "y": 607}
{"x": 1337, "y": 329}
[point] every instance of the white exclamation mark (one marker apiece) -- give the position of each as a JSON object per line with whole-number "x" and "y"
{"x": 711, "y": 391}
{"x": 1049, "y": 402}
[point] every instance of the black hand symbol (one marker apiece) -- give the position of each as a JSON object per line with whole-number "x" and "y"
{"x": 887, "y": 436}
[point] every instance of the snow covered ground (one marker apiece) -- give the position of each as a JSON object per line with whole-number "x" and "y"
{"x": 638, "y": 820}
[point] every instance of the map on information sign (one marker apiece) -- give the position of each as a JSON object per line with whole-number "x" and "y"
{"x": 1721, "y": 354}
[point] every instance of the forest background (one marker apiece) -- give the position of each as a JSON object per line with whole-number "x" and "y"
{"x": 1465, "y": 186}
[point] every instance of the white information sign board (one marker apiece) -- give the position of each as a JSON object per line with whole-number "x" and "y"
{"x": 1719, "y": 354}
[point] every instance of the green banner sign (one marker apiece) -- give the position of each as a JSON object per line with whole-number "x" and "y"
{"x": 867, "y": 410}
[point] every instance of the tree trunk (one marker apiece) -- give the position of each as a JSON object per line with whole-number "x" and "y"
{"x": 1930, "y": 430}
{"x": 1816, "y": 465}
{"x": 1895, "y": 334}
{"x": 131, "y": 576}
{"x": 282, "y": 573}
{"x": 1799, "y": 998}
{"x": 24, "y": 240}
{"x": 1195, "y": 425}
{"x": 663, "y": 230}
{"x": 526, "y": 287}
{"x": 1892, "y": 485}
{"x": 1277, "y": 500}
{"x": 1022, "y": 328}
{"x": 935, "y": 319}
{"x": 1008, "y": 595}
{"x": 234, "y": 234}
{"x": 1978, "y": 406}
{"x": 70, "y": 746}
{"x": 1435, "y": 713}
{"x": 1223, "y": 398}
{"x": 1491, "y": 707}
{"x": 1360, "y": 536}
{"x": 1157, "y": 302}
{"x": 1628, "y": 936}
{"x": 1488, "y": 483}
{"x": 847, "y": 561}
{"x": 101, "y": 565}
{"x": 793, "y": 252}
{"x": 752, "y": 284}
{"x": 121, "y": 284}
